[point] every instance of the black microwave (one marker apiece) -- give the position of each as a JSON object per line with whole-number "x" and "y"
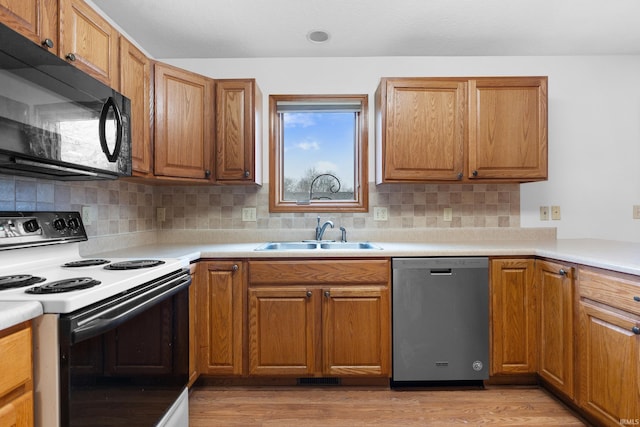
{"x": 56, "y": 121}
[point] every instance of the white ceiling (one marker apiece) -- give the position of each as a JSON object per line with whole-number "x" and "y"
{"x": 278, "y": 28}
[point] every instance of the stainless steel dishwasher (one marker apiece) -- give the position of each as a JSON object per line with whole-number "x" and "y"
{"x": 440, "y": 320}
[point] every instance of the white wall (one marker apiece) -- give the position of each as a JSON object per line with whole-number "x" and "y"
{"x": 594, "y": 123}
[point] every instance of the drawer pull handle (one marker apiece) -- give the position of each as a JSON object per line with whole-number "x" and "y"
{"x": 327, "y": 294}
{"x": 562, "y": 272}
{"x": 309, "y": 294}
{"x": 635, "y": 330}
{"x": 234, "y": 268}
{"x": 636, "y": 298}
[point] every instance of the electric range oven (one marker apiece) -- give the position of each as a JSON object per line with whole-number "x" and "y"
{"x": 112, "y": 346}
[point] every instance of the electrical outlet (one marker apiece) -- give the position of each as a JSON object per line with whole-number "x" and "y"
{"x": 544, "y": 213}
{"x": 380, "y": 214}
{"x": 448, "y": 214}
{"x": 249, "y": 214}
{"x": 636, "y": 211}
{"x": 555, "y": 213}
{"x": 161, "y": 214}
{"x": 87, "y": 215}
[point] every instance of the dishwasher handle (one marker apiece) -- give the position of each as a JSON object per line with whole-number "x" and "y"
{"x": 441, "y": 272}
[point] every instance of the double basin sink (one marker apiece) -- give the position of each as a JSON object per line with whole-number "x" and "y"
{"x": 316, "y": 245}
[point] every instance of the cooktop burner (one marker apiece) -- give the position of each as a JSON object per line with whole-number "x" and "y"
{"x": 19, "y": 281}
{"x": 65, "y": 285}
{"x": 86, "y": 262}
{"x": 134, "y": 264}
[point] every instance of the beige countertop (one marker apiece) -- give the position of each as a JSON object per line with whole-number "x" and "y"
{"x": 613, "y": 255}
{"x": 12, "y": 313}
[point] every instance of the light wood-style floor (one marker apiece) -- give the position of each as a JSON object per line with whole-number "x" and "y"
{"x": 375, "y": 406}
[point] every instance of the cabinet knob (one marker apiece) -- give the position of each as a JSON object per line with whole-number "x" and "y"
{"x": 562, "y": 272}
{"x": 207, "y": 173}
{"x": 234, "y": 268}
{"x": 71, "y": 57}
{"x": 636, "y": 298}
{"x": 635, "y": 330}
{"x": 327, "y": 294}
{"x": 460, "y": 175}
{"x": 48, "y": 43}
{"x": 247, "y": 174}
{"x": 474, "y": 173}
{"x": 309, "y": 294}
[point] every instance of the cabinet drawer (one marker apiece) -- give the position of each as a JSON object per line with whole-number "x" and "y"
{"x": 618, "y": 290}
{"x": 15, "y": 348}
{"x": 299, "y": 272}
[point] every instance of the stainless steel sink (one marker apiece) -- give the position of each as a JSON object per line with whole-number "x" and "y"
{"x": 287, "y": 246}
{"x": 349, "y": 245}
{"x": 313, "y": 245}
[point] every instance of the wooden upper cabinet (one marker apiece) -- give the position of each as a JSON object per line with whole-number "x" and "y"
{"x": 88, "y": 41}
{"x": 183, "y": 124}
{"x": 514, "y": 317}
{"x": 492, "y": 129}
{"x": 420, "y": 130}
{"x": 238, "y": 132}
{"x": 35, "y": 19}
{"x": 556, "y": 290}
{"x": 135, "y": 84}
{"x": 508, "y": 128}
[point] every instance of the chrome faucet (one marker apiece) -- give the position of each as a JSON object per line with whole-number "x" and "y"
{"x": 320, "y": 229}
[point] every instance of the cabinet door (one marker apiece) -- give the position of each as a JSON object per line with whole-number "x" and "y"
{"x": 355, "y": 331}
{"x": 135, "y": 84}
{"x": 421, "y": 126}
{"x": 221, "y": 332}
{"x": 556, "y": 290}
{"x": 282, "y": 331}
{"x": 18, "y": 412}
{"x": 609, "y": 353}
{"x": 35, "y": 19}
{"x": 88, "y": 41}
{"x": 183, "y": 126}
{"x": 238, "y": 131}
{"x": 514, "y": 317}
{"x": 508, "y": 128}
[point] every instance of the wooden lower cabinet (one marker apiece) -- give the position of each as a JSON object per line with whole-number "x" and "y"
{"x": 319, "y": 318}
{"x": 556, "y": 343}
{"x": 609, "y": 347}
{"x": 221, "y": 311}
{"x": 514, "y": 324}
{"x": 16, "y": 376}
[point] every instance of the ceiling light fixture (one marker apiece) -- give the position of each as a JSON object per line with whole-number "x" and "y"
{"x": 318, "y": 36}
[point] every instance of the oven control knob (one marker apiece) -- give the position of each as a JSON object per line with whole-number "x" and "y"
{"x": 73, "y": 223}
{"x": 31, "y": 226}
{"x": 59, "y": 224}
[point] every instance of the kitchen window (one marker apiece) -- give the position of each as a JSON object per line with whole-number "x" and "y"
{"x": 318, "y": 153}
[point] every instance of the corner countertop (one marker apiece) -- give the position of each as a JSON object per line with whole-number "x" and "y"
{"x": 12, "y": 313}
{"x": 612, "y": 255}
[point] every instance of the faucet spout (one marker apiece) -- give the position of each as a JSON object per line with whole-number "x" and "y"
{"x": 321, "y": 229}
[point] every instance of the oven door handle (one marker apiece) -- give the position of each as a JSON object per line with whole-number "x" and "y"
{"x": 128, "y": 309}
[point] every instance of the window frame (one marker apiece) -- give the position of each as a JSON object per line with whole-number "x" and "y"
{"x": 276, "y": 159}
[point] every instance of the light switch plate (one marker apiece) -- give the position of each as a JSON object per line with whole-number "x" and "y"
{"x": 249, "y": 214}
{"x": 87, "y": 215}
{"x": 636, "y": 211}
{"x": 448, "y": 214}
{"x": 555, "y": 213}
{"x": 161, "y": 214}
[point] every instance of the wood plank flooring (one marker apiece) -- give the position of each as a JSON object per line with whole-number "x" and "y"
{"x": 375, "y": 406}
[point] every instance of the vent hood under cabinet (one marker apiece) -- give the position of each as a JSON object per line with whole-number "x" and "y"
{"x": 57, "y": 122}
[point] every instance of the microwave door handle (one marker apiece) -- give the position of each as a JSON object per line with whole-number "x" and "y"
{"x": 117, "y": 315}
{"x": 110, "y": 104}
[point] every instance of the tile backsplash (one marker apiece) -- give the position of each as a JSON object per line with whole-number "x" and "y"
{"x": 121, "y": 206}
